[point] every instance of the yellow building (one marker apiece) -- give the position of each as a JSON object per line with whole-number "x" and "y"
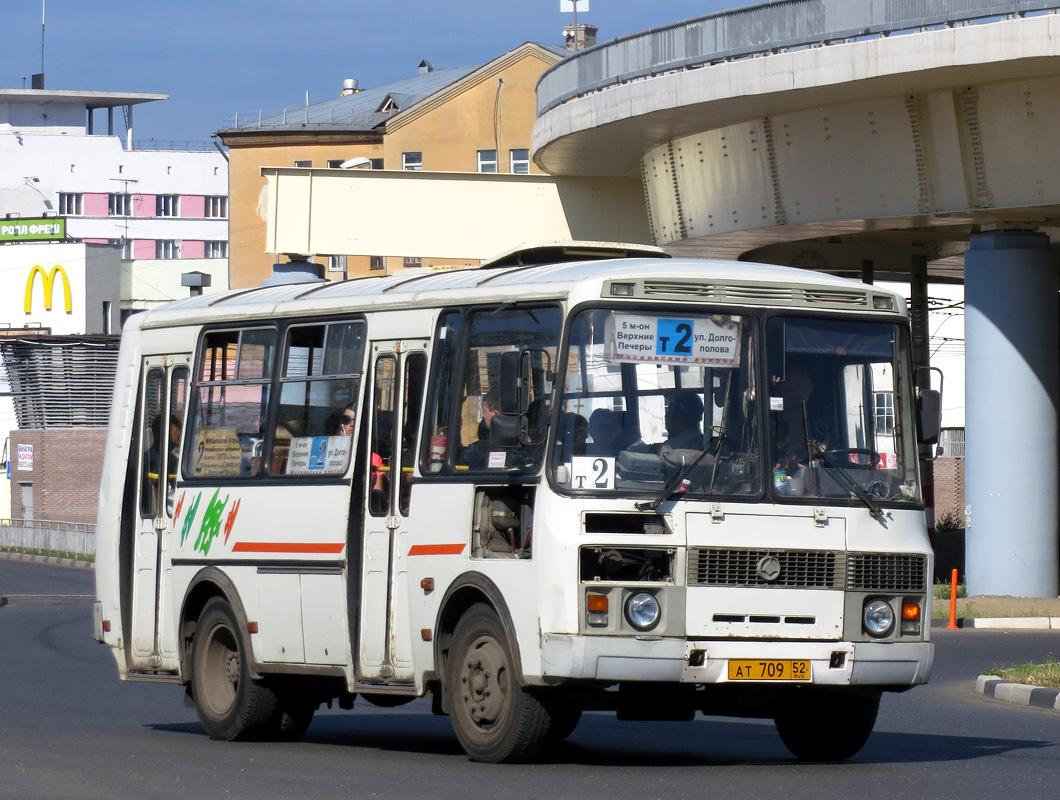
{"x": 462, "y": 119}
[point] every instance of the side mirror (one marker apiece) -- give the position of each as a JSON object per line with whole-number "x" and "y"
{"x": 515, "y": 382}
{"x": 929, "y": 416}
{"x": 507, "y": 430}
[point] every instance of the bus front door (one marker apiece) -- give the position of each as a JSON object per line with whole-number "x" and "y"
{"x": 384, "y": 652}
{"x": 163, "y": 398}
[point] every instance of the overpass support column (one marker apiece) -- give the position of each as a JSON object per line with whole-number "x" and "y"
{"x": 1011, "y": 415}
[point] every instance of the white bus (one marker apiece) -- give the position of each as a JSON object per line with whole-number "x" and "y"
{"x": 561, "y": 482}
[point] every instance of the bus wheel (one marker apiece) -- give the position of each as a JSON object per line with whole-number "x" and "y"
{"x": 495, "y": 718}
{"x": 821, "y": 725}
{"x": 229, "y": 703}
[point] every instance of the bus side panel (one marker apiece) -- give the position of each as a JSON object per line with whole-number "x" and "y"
{"x": 295, "y": 537}
{"x": 439, "y": 548}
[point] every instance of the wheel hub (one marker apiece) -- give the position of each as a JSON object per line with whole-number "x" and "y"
{"x": 231, "y": 668}
{"x": 485, "y": 682}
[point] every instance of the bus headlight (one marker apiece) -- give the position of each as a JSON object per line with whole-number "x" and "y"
{"x": 878, "y": 617}
{"x": 643, "y": 611}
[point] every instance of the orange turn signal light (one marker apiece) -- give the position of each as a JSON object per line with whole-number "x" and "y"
{"x": 596, "y": 603}
{"x": 910, "y": 610}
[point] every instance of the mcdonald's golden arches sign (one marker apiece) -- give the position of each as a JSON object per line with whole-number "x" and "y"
{"x": 48, "y": 285}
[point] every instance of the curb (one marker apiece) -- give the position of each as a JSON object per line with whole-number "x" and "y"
{"x": 54, "y": 560}
{"x": 1019, "y": 694}
{"x": 1010, "y": 623}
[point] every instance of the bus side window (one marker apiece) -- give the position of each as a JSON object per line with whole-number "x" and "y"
{"x": 415, "y": 380}
{"x": 152, "y": 465}
{"x": 178, "y": 401}
{"x": 436, "y": 441}
{"x": 382, "y": 445}
{"x": 231, "y": 397}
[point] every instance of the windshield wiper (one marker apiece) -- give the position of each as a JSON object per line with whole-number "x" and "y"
{"x": 678, "y": 483}
{"x": 848, "y": 482}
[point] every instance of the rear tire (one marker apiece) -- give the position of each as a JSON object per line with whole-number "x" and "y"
{"x": 494, "y": 717}
{"x": 823, "y": 725}
{"x": 230, "y": 704}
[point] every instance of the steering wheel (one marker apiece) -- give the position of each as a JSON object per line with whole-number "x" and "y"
{"x": 842, "y": 459}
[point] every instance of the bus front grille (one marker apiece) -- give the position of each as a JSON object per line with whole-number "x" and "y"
{"x": 886, "y": 572}
{"x": 807, "y": 569}
{"x": 798, "y": 569}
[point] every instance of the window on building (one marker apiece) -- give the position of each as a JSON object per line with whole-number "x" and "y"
{"x": 119, "y": 205}
{"x": 519, "y": 161}
{"x": 167, "y": 205}
{"x": 216, "y": 207}
{"x": 884, "y": 402}
{"x": 335, "y": 163}
{"x": 412, "y": 162}
{"x": 413, "y": 261}
{"x": 377, "y": 262}
{"x": 487, "y": 160}
{"x": 377, "y": 163}
{"x": 336, "y": 263}
{"x": 305, "y": 164}
{"x": 71, "y": 204}
{"x": 166, "y": 248}
{"x": 125, "y": 245}
{"x": 215, "y": 250}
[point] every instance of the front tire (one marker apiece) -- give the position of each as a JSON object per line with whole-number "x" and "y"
{"x": 822, "y": 725}
{"x": 494, "y": 717}
{"x": 230, "y": 704}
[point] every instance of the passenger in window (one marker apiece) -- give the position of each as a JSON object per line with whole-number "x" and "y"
{"x": 381, "y": 459}
{"x": 154, "y": 456}
{"x": 605, "y": 429}
{"x": 794, "y": 430}
{"x": 476, "y": 454}
{"x": 341, "y": 423}
{"x": 683, "y": 419}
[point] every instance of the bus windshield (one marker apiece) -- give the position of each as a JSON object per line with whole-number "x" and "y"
{"x": 674, "y": 403}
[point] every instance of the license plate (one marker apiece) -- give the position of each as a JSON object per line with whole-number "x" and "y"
{"x": 769, "y": 670}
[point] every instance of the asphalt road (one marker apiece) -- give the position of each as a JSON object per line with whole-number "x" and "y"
{"x": 70, "y": 729}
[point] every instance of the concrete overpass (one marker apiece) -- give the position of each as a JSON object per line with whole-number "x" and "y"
{"x": 883, "y": 139}
{"x": 907, "y": 140}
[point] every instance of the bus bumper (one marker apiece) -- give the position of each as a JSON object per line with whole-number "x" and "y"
{"x": 606, "y": 658}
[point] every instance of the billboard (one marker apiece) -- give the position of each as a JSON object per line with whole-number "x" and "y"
{"x": 45, "y": 229}
{"x": 44, "y": 285}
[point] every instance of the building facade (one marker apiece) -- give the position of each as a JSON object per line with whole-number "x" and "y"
{"x": 91, "y": 230}
{"x": 462, "y": 119}
{"x": 160, "y": 208}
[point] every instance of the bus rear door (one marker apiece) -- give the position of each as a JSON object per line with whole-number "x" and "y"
{"x": 163, "y": 393}
{"x": 399, "y": 370}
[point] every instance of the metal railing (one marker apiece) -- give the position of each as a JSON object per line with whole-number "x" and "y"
{"x": 758, "y": 30}
{"x": 76, "y": 540}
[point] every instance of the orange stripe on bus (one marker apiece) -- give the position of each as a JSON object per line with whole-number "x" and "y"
{"x": 437, "y": 549}
{"x": 288, "y": 547}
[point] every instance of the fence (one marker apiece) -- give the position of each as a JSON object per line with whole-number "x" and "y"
{"x": 76, "y": 540}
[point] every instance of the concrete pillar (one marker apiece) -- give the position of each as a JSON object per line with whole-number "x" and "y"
{"x": 1011, "y": 415}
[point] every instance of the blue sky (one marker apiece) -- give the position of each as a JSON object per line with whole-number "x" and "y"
{"x": 216, "y": 58}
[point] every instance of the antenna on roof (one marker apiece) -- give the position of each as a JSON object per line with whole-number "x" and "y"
{"x": 39, "y": 84}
